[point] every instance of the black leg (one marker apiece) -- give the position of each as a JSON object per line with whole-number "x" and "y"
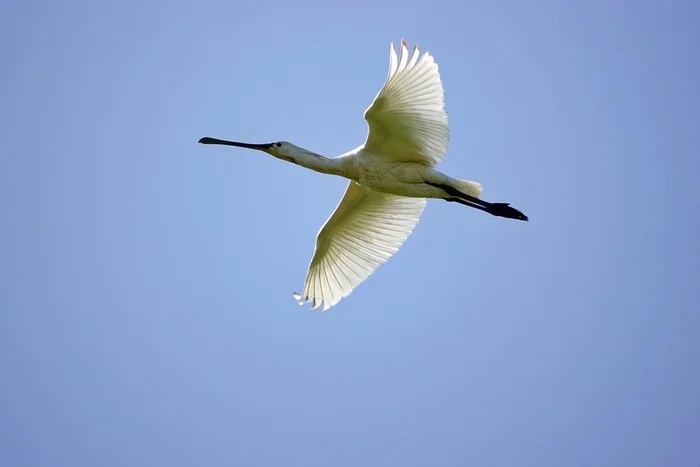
{"x": 495, "y": 209}
{"x": 467, "y": 203}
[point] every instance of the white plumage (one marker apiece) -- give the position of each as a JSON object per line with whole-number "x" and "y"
{"x": 391, "y": 176}
{"x": 363, "y": 232}
{"x": 407, "y": 120}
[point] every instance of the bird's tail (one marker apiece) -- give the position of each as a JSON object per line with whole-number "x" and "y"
{"x": 468, "y": 188}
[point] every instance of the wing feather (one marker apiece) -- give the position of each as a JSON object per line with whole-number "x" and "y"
{"x": 365, "y": 230}
{"x": 407, "y": 120}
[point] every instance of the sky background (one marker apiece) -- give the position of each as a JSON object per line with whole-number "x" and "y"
{"x": 146, "y": 310}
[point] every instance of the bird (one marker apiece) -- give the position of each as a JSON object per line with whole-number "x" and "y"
{"x": 391, "y": 177}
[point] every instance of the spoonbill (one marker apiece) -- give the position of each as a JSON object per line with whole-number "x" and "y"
{"x": 391, "y": 176}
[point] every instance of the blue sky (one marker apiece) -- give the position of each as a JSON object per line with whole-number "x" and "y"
{"x": 146, "y": 281}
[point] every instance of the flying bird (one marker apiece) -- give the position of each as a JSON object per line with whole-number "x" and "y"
{"x": 390, "y": 177}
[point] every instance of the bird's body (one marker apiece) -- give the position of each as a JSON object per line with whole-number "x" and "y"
{"x": 376, "y": 173}
{"x": 395, "y": 178}
{"x": 391, "y": 176}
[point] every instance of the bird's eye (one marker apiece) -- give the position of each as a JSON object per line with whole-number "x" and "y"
{"x": 279, "y": 145}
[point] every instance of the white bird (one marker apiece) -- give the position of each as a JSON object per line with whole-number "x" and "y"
{"x": 391, "y": 175}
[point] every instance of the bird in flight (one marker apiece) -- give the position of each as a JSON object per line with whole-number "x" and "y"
{"x": 390, "y": 177}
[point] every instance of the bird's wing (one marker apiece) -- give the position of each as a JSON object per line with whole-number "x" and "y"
{"x": 407, "y": 120}
{"x": 364, "y": 231}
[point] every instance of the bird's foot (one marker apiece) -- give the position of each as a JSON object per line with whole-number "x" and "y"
{"x": 507, "y": 211}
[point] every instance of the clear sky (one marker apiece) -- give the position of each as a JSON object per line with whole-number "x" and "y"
{"x": 146, "y": 310}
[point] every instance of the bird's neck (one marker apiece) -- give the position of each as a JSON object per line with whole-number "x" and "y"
{"x": 319, "y": 163}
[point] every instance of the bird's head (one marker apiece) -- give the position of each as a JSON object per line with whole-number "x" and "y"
{"x": 279, "y": 149}
{"x": 283, "y": 150}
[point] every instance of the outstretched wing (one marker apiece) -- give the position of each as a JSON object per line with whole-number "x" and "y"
{"x": 407, "y": 120}
{"x": 364, "y": 231}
